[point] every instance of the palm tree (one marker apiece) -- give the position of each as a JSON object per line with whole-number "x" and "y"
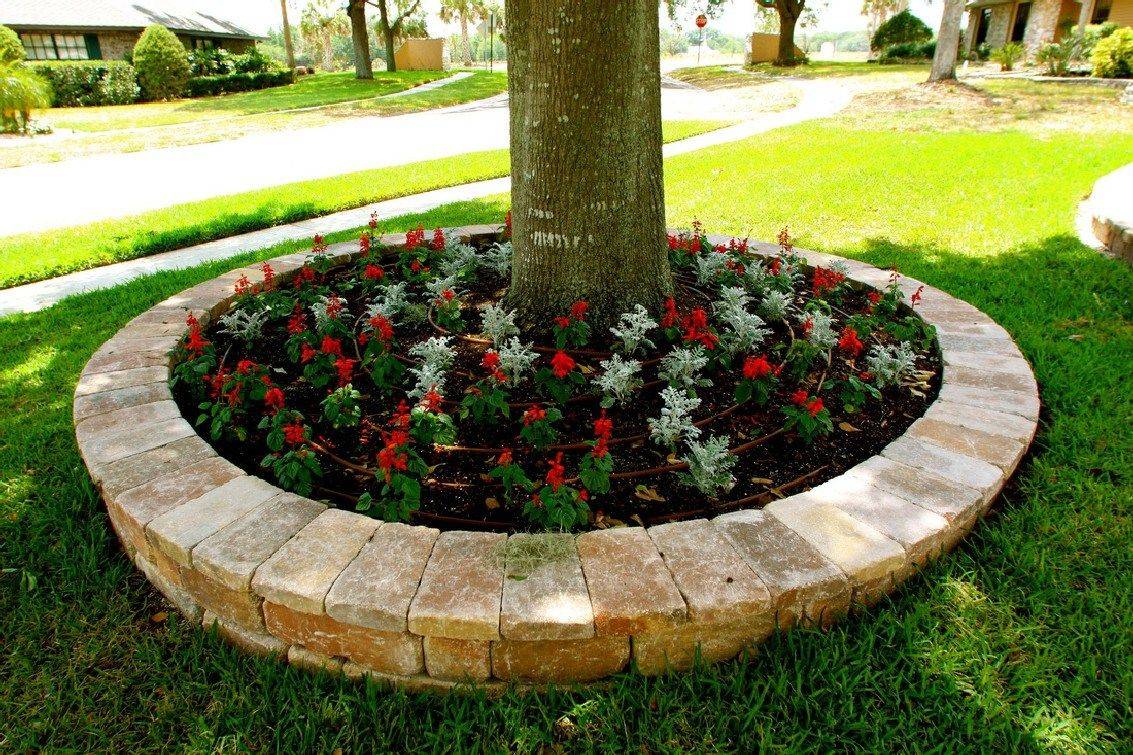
{"x": 21, "y": 91}
{"x": 465, "y": 11}
{"x": 321, "y": 22}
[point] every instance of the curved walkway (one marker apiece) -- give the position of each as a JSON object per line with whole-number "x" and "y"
{"x": 819, "y": 99}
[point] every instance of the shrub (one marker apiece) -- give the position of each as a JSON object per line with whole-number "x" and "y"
{"x": 1112, "y": 57}
{"x": 253, "y": 61}
{"x": 89, "y": 82}
{"x": 1008, "y": 55}
{"x": 907, "y": 51}
{"x": 900, "y": 29}
{"x": 206, "y": 86}
{"x": 21, "y": 91}
{"x": 1056, "y": 56}
{"x": 11, "y": 50}
{"x": 162, "y": 63}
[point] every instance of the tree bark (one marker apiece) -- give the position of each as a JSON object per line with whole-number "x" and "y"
{"x": 363, "y": 67}
{"x": 588, "y": 209}
{"x": 787, "y": 21}
{"x": 387, "y": 35}
{"x": 464, "y": 39}
{"x": 947, "y": 42}
{"x": 1084, "y": 14}
{"x": 287, "y": 43}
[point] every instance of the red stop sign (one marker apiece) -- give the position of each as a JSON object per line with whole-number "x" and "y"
{"x": 701, "y": 21}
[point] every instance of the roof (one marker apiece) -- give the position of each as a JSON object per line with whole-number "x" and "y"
{"x": 115, "y": 14}
{"x": 987, "y": 3}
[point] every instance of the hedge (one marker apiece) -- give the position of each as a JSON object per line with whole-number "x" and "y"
{"x": 1112, "y": 57}
{"x": 89, "y": 82}
{"x": 204, "y": 86}
{"x": 901, "y": 28}
{"x": 907, "y": 51}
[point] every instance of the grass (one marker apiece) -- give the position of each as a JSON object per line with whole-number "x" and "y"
{"x": 832, "y": 68}
{"x": 30, "y": 257}
{"x": 1021, "y": 640}
{"x": 308, "y": 91}
{"x": 227, "y": 122}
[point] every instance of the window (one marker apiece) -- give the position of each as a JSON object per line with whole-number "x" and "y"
{"x": 202, "y": 44}
{"x": 983, "y": 21}
{"x": 1101, "y": 11}
{"x": 56, "y": 46}
{"x": 1022, "y": 13}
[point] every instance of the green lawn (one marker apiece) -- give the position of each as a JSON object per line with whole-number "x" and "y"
{"x": 307, "y": 91}
{"x": 29, "y": 257}
{"x": 1021, "y": 640}
{"x": 828, "y": 68}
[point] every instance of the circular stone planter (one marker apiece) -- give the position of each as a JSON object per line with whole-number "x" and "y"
{"x": 410, "y": 605}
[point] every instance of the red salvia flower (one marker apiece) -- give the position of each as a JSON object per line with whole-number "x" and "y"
{"x": 298, "y": 322}
{"x": 331, "y": 346}
{"x": 345, "y": 369}
{"x": 696, "y": 330}
{"x": 273, "y": 400}
{"x": 562, "y": 322}
{"x": 814, "y": 406}
{"x": 578, "y": 309}
{"x": 306, "y": 353}
{"x": 491, "y": 362}
{"x": 243, "y": 285}
{"x": 556, "y": 474}
{"x": 670, "y": 317}
{"x": 561, "y": 364}
{"x": 504, "y": 458}
{"x": 269, "y": 274}
{"x": 415, "y": 238}
{"x": 382, "y": 328}
{"x": 401, "y": 416}
{"x": 849, "y": 341}
{"x": 245, "y": 366}
{"x": 535, "y": 414}
{"x": 799, "y": 397}
{"x": 294, "y": 433}
{"x": 438, "y": 240}
{"x": 415, "y": 266}
{"x": 915, "y": 299}
{"x": 373, "y": 220}
{"x": 603, "y": 426}
{"x": 334, "y": 307}
{"x": 432, "y": 401}
{"x": 756, "y": 368}
{"x": 808, "y": 325}
{"x": 825, "y": 280}
{"x": 601, "y": 448}
{"x": 364, "y": 242}
{"x": 373, "y": 272}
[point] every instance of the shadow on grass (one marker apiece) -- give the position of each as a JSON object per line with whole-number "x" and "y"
{"x": 1015, "y": 642}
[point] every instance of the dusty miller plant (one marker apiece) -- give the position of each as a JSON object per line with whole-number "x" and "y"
{"x": 244, "y": 324}
{"x": 437, "y": 286}
{"x": 775, "y": 305}
{"x": 822, "y": 333}
{"x": 389, "y": 301}
{"x": 498, "y": 258}
{"x": 710, "y": 466}
{"x": 681, "y": 368}
{"x": 675, "y": 421}
{"x": 498, "y": 323}
{"x": 619, "y": 379}
{"x": 709, "y": 265}
{"x": 632, "y": 327}
{"x": 744, "y": 330}
{"x": 461, "y": 260}
{"x": 319, "y": 310}
{"x": 891, "y": 364}
{"x": 516, "y": 359}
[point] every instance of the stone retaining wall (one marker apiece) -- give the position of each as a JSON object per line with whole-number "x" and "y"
{"x": 424, "y": 609}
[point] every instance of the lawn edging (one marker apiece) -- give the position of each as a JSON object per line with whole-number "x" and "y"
{"x": 407, "y": 605}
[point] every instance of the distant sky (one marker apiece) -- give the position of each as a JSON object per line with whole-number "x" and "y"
{"x": 737, "y": 18}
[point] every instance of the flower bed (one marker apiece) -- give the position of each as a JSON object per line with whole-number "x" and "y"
{"x": 398, "y": 386}
{"x": 278, "y": 573}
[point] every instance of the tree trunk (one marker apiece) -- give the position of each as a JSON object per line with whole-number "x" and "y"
{"x": 287, "y": 44}
{"x": 788, "y": 18}
{"x": 328, "y": 52}
{"x": 464, "y": 39}
{"x": 363, "y": 68}
{"x": 588, "y": 206}
{"x": 947, "y": 42}
{"x": 1084, "y": 15}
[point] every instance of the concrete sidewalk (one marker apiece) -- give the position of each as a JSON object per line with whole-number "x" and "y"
{"x": 819, "y": 99}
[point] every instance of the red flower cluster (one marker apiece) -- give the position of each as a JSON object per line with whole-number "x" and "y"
{"x": 334, "y": 306}
{"x": 491, "y": 362}
{"x": 364, "y": 242}
{"x": 670, "y": 317}
{"x": 306, "y": 275}
{"x": 603, "y": 428}
{"x": 874, "y": 297}
{"x": 393, "y": 457}
{"x": 382, "y": 328}
{"x": 306, "y": 353}
{"x": 577, "y": 313}
{"x": 505, "y": 457}
{"x": 245, "y": 367}
{"x": 915, "y": 299}
{"x": 319, "y": 244}
{"x": 373, "y": 272}
{"x": 415, "y": 238}
{"x": 345, "y": 369}
{"x": 826, "y": 280}
{"x": 273, "y": 400}
{"x": 557, "y": 473}
{"x": 784, "y": 240}
{"x": 562, "y": 365}
{"x": 196, "y": 343}
{"x": 243, "y": 285}
{"x": 432, "y": 401}
{"x": 695, "y": 326}
{"x": 812, "y": 405}
{"x": 849, "y": 341}
{"x": 269, "y": 274}
{"x": 535, "y": 414}
{"x": 438, "y": 240}
{"x": 298, "y": 322}
{"x": 757, "y": 367}
{"x": 295, "y": 433}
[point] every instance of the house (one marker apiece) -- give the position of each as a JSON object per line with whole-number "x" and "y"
{"x": 108, "y": 29}
{"x": 997, "y": 22}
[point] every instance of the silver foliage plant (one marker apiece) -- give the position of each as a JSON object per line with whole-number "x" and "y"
{"x": 497, "y": 323}
{"x": 743, "y": 330}
{"x": 389, "y": 301}
{"x": 822, "y": 333}
{"x": 437, "y": 286}
{"x": 891, "y": 364}
{"x": 681, "y": 368}
{"x": 619, "y": 379}
{"x": 319, "y": 310}
{"x": 498, "y": 258}
{"x": 675, "y": 421}
{"x": 516, "y": 359}
{"x": 710, "y": 466}
{"x": 709, "y": 265}
{"x": 776, "y": 305}
{"x": 632, "y": 327}
{"x": 461, "y": 260}
{"x": 437, "y": 357}
{"x": 244, "y": 324}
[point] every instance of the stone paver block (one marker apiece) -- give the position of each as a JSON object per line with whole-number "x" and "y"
{"x": 989, "y": 421}
{"x": 953, "y": 501}
{"x": 231, "y": 556}
{"x": 129, "y": 417}
{"x": 115, "y": 361}
{"x": 388, "y": 652}
{"x": 461, "y": 588}
{"x": 992, "y": 345}
{"x": 1004, "y": 453}
{"x": 860, "y": 551}
{"x": 376, "y": 588}
{"x": 137, "y": 507}
{"x": 301, "y": 657}
{"x": 1011, "y": 402}
{"x": 921, "y": 532}
{"x": 90, "y": 405}
{"x": 718, "y": 586}
{"x": 677, "y": 650}
{"x": 984, "y": 361}
{"x": 103, "y": 448}
{"x": 421, "y": 683}
{"x": 966, "y": 470}
{"x": 631, "y": 589}
{"x": 258, "y": 643}
{"x": 545, "y": 595}
{"x": 176, "y": 532}
{"x": 173, "y": 593}
{"x": 240, "y": 607}
{"x": 804, "y": 586}
{"x": 458, "y": 660}
{"x": 561, "y": 661}
{"x": 126, "y": 474}
{"x": 301, "y": 572}
{"x": 101, "y": 382}
{"x": 990, "y": 379}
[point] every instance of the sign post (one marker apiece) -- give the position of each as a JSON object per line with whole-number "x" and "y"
{"x": 701, "y": 22}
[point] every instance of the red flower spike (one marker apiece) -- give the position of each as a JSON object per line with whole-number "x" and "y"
{"x": 756, "y": 368}
{"x": 562, "y": 365}
{"x": 799, "y": 397}
{"x": 557, "y": 473}
{"x": 578, "y": 309}
{"x": 535, "y": 414}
